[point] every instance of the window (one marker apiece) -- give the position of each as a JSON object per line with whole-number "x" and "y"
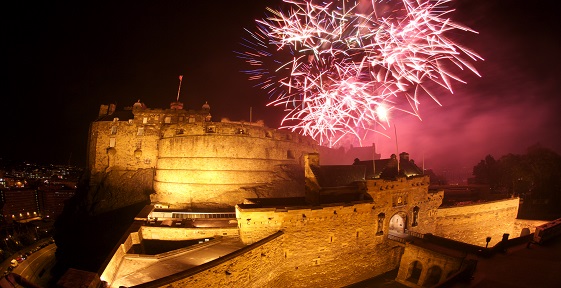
{"x": 144, "y": 120}
{"x": 415, "y": 216}
{"x": 210, "y": 129}
{"x": 191, "y": 119}
{"x": 111, "y": 142}
{"x": 138, "y": 144}
{"x": 140, "y": 131}
{"x": 167, "y": 119}
{"x": 289, "y": 154}
{"x": 380, "y": 229}
{"x": 113, "y": 130}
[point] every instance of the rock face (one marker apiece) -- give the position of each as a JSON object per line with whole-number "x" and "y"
{"x": 116, "y": 189}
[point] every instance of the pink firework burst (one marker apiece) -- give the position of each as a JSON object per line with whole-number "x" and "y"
{"x": 339, "y": 67}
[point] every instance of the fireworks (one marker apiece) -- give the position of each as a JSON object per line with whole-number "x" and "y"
{"x": 340, "y": 67}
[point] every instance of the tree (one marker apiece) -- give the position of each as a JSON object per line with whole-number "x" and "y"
{"x": 487, "y": 172}
{"x": 534, "y": 176}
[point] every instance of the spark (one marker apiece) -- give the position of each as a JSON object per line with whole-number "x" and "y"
{"x": 340, "y": 67}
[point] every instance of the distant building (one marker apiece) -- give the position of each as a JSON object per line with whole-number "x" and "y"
{"x": 53, "y": 199}
{"x": 19, "y": 204}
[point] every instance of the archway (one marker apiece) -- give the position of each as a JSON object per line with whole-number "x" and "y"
{"x": 414, "y": 272}
{"x": 397, "y": 223}
{"x": 433, "y": 276}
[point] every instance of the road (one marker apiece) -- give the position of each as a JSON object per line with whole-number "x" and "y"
{"x": 36, "y": 268}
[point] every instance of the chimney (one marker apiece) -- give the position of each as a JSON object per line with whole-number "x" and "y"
{"x": 111, "y": 109}
{"x": 103, "y": 110}
{"x": 404, "y": 156}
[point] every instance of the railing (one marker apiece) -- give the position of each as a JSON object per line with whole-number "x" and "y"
{"x": 199, "y": 215}
{"x": 416, "y": 234}
{"x": 396, "y": 238}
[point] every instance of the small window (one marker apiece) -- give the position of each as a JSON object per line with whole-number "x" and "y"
{"x": 111, "y": 142}
{"x": 147, "y": 161}
{"x": 380, "y": 227}
{"x": 138, "y": 144}
{"x": 144, "y": 120}
{"x": 179, "y": 131}
{"x": 415, "y": 216}
{"x": 191, "y": 119}
{"x": 210, "y": 129}
{"x": 289, "y": 154}
{"x": 140, "y": 131}
{"x": 113, "y": 130}
{"x": 167, "y": 119}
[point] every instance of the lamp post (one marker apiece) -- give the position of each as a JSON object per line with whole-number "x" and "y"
{"x": 488, "y": 239}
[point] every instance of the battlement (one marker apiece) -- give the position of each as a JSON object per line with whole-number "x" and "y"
{"x": 198, "y": 162}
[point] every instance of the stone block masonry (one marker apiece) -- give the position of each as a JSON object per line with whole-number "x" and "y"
{"x": 472, "y": 224}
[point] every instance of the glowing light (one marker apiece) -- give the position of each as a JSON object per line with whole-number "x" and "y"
{"x": 339, "y": 67}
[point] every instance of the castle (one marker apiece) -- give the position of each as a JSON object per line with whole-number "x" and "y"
{"x": 263, "y": 210}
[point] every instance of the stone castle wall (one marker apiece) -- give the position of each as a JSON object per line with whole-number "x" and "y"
{"x": 223, "y": 168}
{"x": 474, "y": 223}
{"x": 116, "y": 145}
{"x": 402, "y": 196}
{"x": 198, "y": 163}
{"x": 428, "y": 261}
{"x": 260, "y": 265}
{"x": 323, "y": 246}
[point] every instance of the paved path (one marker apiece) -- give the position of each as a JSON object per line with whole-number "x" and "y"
{"x": 150, "y": 269}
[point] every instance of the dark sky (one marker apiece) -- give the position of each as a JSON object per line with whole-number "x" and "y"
{"x": 66, "y": 58}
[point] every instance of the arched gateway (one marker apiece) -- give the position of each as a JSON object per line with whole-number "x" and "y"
{"x": 398, "y": 223}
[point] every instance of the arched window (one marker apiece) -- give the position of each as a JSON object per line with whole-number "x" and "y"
{"x": 433, "y": 276}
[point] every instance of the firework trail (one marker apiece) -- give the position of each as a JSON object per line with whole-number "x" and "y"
{"x": 340, "y": 67}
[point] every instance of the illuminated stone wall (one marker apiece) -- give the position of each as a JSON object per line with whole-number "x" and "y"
{"x": 473, "y": 223}
{"x": 441, "y": 266}
{"x": 323, "y": 246}
{"x": 108, "y": 272}
{"x": 401, "y": 196}
{"x": 180, "y": 234}
{"x": 198, "y": 163}
{"x": 223, "y": 168}
{"x": 129, "y": 152}
{"x": 262, "y": 265}
{"x": 528, "y": 225}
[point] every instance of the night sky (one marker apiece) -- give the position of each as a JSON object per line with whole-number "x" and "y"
{"x": 66, "y": 58}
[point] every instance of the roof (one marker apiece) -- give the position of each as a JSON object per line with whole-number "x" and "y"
{"x": 338, "y": 175}
{"x": 387, "y": 168}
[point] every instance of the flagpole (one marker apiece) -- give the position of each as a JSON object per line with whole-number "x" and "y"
{"x": 179, "y": 89}
{"x": 396, "y": 147}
